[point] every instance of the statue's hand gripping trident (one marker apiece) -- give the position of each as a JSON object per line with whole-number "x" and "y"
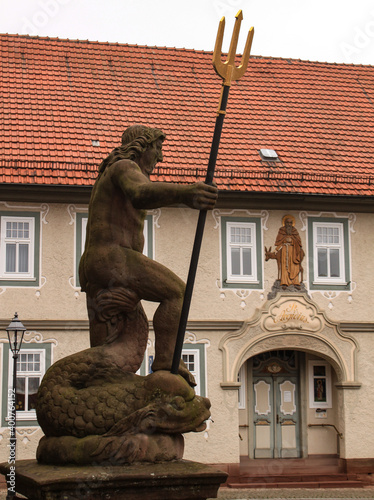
{"x": 229, "y": 72}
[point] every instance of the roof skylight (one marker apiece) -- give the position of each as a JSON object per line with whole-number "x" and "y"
{"x": 269, "y": 154}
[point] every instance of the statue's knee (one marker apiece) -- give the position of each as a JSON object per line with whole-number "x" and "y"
{"x": 181, "y": 290}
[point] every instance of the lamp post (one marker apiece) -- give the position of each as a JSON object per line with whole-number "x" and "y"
{"x": 15, "y": 333}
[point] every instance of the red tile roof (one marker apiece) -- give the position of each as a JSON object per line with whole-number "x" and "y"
{"x": 57, "y": 96}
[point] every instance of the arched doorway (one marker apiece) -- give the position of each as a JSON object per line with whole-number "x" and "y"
{"x": 288, "y": 406}
{"x": 293, "y": 322}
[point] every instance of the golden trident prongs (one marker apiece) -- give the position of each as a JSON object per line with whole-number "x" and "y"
{"x": 227, "y": 70}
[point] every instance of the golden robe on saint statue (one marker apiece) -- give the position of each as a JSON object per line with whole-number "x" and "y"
{"x": 288, "y": 244}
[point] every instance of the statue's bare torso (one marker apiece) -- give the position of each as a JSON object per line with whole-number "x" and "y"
{"x": 113, "y": 265}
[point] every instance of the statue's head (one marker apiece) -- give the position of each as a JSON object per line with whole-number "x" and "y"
{"x": 135, "y": 141}
{"x": 137, "y": 138}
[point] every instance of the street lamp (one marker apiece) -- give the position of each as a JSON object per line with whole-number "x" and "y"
{"x": 15, "y": 333}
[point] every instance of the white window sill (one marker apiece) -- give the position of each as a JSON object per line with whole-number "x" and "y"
{"x": 18, "y": 278}
{"x": 330, "y": 282}
{"x": 321, "y": 405}
{"x": 241, "y": 281}
{"x": 24, "y": 415}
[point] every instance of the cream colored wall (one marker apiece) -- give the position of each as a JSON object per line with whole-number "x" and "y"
{"x": 322, "y": 440}
{"x": 58, "y": 299}
{"x": 358, "y": 307}
{"x": 359, "y": 404}
{"x": 173, "y": 245}
{"x": 223, "y": 442}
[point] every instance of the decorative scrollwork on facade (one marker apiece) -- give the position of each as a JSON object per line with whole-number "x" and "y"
{"x": 263, "y": 215}
{"x": 323, "y": 337}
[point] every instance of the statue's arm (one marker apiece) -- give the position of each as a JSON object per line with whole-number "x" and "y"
{"x": 145, "y": 194}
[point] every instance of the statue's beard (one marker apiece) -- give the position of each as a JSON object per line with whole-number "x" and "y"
{"x": 289, "y": 230}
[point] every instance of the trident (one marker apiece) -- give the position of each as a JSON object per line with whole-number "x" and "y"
{"x": 228, "y": 72}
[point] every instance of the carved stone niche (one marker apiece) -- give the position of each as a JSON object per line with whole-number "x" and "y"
{"x": 290, "y": 321}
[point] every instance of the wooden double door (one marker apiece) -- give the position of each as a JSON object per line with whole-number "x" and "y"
{"x": 276, "y": 410}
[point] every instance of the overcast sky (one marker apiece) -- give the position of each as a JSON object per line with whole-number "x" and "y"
{"x": 319, "y": 30}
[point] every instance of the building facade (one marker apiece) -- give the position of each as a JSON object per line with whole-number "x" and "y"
{"x": 280, "y": 332}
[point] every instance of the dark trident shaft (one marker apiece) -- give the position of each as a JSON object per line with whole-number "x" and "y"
{"x": 199, "y": 233}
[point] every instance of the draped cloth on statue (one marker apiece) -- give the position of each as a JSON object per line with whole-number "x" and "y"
{"x": 288, "y": 243}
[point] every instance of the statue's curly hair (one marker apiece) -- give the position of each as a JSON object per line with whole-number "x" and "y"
{"x": 135, "y": 141}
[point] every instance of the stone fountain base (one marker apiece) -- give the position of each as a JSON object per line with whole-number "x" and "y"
{"x": 176, "y": 480}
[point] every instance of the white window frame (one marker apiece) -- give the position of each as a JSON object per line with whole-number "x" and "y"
{"x": 341, "y": 280}
{"x": 196, "y": 372}
{"x": 143, "y": 370}
{"x": 146, "y": 236}
{"x": 241, "y": 278}
{"x": 84, "y": 221}
{"x": 327, "y": 377}
{"x": 30, "y": 414}
{"x": 30, "y": 241}
{"x": 242, "y": 389}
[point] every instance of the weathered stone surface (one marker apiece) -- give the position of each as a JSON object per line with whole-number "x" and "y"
{"x": 100, "y": 413}
{"x": 179, "y": 480}
{"x": 92, "y": 406}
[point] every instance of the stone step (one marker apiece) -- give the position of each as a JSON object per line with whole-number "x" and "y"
{"x": 298, "y": 484}
{"x": 310, "y": 465}
{"x": 281, "y": 478}
{"x": 308, "y": 461}
{"x": 274, "y": 471}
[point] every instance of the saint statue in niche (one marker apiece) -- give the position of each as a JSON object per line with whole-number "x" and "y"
{"x": 288, "y": 253}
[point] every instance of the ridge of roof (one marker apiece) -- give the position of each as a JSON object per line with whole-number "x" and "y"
{"x": 290, "y": 60}
{"x": 114, "y": 44}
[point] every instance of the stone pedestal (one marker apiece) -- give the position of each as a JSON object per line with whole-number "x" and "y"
{"x": 179, "y": 480}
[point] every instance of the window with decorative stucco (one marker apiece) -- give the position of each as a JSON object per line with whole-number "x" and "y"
{"x": 329, "y": 254}
{"x": 193, "y": 356}
{"x": 32, "y": 363}
{"x": 241, "y": 254}
{"x": 319, "y": 384}
{"x": 19, "y": 248}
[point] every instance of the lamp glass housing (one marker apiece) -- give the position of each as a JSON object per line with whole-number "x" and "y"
{"x": 15, "y": 333}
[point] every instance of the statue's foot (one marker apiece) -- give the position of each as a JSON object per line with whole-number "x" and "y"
{"x": 186, "y": 374}
{"x": 182, "y": 370}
